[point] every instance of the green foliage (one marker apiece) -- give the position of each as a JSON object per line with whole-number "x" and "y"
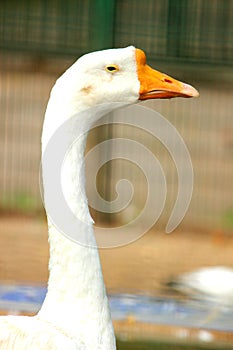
{"x": 228, "y": 219}
{"x": 149, "y": 345}
{"x": 21, "y": 202}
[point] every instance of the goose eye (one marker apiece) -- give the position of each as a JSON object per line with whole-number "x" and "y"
{"x": 112, "y": 68}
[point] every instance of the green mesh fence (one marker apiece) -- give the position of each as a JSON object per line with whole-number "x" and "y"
{"x": 189, "y": 39}
{"x": 171, "y": 29}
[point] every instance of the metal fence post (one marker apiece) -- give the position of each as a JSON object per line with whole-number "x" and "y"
{"x": 102, "y": 14}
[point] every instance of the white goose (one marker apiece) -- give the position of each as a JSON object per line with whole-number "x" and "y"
{"x": 213, "y": 284}
{"x": 75, "y": 314}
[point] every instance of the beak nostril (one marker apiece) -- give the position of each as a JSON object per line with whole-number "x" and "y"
{"x": 167, "y": 80}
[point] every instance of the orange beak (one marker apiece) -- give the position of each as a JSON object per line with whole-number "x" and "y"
{"x": 154, "y": 84}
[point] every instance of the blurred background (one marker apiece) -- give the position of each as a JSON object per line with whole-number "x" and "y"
{"x": 189, "y": 40}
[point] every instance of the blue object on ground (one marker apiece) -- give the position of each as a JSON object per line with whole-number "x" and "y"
{"x": 23, "y": 298}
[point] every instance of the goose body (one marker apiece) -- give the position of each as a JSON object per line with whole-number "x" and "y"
{"x": 75, "y": 314}
{"x": 208, "y": 283}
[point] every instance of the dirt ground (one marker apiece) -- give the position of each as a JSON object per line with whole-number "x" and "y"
{"x": 141, "y": 267}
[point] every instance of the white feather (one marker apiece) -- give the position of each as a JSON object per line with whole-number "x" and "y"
{"x": 75, "y": 314}
{"x": 209, "y": 283}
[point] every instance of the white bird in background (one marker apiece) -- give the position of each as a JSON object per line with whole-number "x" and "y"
{"x": 213, "y": 284}
{"x": 75, "y": 314}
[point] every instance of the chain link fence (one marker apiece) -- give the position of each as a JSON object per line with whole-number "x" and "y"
{"x": 191, "y": 40}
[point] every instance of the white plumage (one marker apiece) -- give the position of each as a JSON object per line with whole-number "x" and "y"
{"x": 75, "y": 314}
{"x": 209, "y": 283}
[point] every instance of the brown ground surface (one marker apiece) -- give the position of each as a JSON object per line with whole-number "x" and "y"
{"x": 143, "y": 266}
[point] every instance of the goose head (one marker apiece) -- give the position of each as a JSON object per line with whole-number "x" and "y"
{"x": 115, "y": 76}
{"x": 94, "y": 85}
